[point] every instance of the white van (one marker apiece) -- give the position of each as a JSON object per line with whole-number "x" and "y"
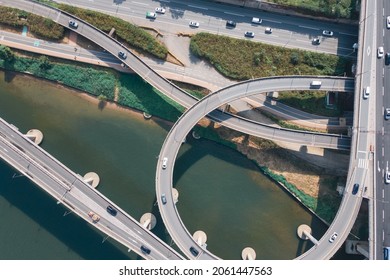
{"x": 366, "y": 92}
{"x": 315, "y": 83}
{"x": 164, "y": 162}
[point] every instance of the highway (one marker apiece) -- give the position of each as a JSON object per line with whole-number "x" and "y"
{"x": 290, "y": 32}
{"x": 169, "y": 89}
{"x": 70, "y": 190}
{"x": 172, "y": 144}
{"x": 381, "y": 197}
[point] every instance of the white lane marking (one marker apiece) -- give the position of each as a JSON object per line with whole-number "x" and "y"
{"x": 228, "y": 13}
{"x": 308, "y": 27}
{"x": 198, "y": 7}
{"x": 383, "y": 150}
{"x": 368, "y": 50}
{"x": 143, "y": 4}
{"x": 355, "y": 35}
{"x": 5, "y": 149}
{"x": 383, "y": 88}
{"x": 305, "y": 41}
{"x": 274, "y": 21}
{"x": 167, "y": 1}
{"x": 383, "y": 215}
{"x": 363, "y": 163}
{"x": 379, "y": 169}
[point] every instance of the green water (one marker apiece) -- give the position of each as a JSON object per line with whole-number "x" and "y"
{"x": 220, "y": 191}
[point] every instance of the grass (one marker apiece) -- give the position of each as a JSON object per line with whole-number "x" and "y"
{"x": 244, "y": 59}
{"x": 39, "y": 26}
{"x": 309, "y": 101}
{"x": 329, "y": 8}
{"x": 136, "y": 93}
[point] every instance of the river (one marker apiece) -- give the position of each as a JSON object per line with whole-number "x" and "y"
{"x": 220, "y": 191}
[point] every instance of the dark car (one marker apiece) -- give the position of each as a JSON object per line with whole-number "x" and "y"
{"x": 387, "y": 113}
{"x": 387, "y": 58}
{"x": 194, "y": 252}
{"x": 231, "y": 24}
{"x": 316, "y": 41}
{"x": 355, "y": 189}
{"x": 145, "y": 250}
{"x": 111, "y": 210}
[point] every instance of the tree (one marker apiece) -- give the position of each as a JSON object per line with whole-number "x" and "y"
{"x": 6, "y": 54}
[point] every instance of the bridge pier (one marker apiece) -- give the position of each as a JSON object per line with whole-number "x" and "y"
{"x": 175, "y": 194}
{"x": 91, "y": 178}
{"x": 248, "y": 254}
{"x": 35, "y": 135}
{"x": 148, "y": 221}
{"x": 200, "y": 238}
{"x": 304, "y": 232}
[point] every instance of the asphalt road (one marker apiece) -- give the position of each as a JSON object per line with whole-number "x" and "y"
{"x": 69, "y": 189}
{"x": 291, "y": 32}
{"x": 382, "y": 190}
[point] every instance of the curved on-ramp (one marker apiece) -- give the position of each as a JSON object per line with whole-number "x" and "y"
{"x": 172, "y": 144}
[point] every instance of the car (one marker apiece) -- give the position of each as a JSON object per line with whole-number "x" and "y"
{"x": 387, "y": 58}
{"x": 122, "y": 55}
{"x": 164, "y": 163}
{"x": 333, "y": 237}
{"x": 159, "y": 10}
{"x": 387, "y": 177}
{"x": 366, "y": 92}
{"x": 380, "y": 52}
{"x": 163, "y": 199}
{"x": 387, "y": 113}
{"x": 355, "y": 189}
{"x": 230, "y": 23}
{"x": 145, "y": 250}
{"x": 256, "y": 20}
{"x": 111, "y": 210}
{"x": 249, "y": 34}
{"x": 268, "y": 30}
{"x": 316, "y": 41}
{"x": 327, "y": 33}
{"x": 73, "y": 23}
{"x": 194, "y": 24}
{"x": 151, "y": 15}
{"x": 388, "y": 21}
{"x": 194, "y": 252}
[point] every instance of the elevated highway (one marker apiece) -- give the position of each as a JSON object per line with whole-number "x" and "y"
{"x": 78, "y": 196}
{"x": 164, "y": 174}
{"x": 330, "y": 141}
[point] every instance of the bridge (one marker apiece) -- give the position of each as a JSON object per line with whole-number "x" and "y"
{"x": 360, "y": 139}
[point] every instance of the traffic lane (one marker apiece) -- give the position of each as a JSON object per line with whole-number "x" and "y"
{"x": 215, "y": 24}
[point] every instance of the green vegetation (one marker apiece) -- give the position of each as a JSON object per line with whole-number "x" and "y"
{"x": 136, "y": 93}
{"x": 196, "y": 91}
{"x": 309, "y": 101}
{"x": 328, "y": 8}
{"x": 133, "y": 35}
{"x": 212, "y": 134}
{"x": 244, "y": 59}
{"x": 40, "y": 26}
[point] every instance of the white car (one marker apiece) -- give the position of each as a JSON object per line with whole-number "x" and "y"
{"x": 268, "y": 30}
{"x": 249, "y": 34}
{"x": 381, "y": 52}
{"x": 73, "y": 23}
{"x": 327, "y": 33}
{"x": 151, "y": 15}
{"x": 194, "y": 24}
{"x": 257, "y": 20}
{"x": 159, "y": 10}
{"x": 388, "y": 22}
{"x": 333, "y": 237}
{"x": 164, "y": 163}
